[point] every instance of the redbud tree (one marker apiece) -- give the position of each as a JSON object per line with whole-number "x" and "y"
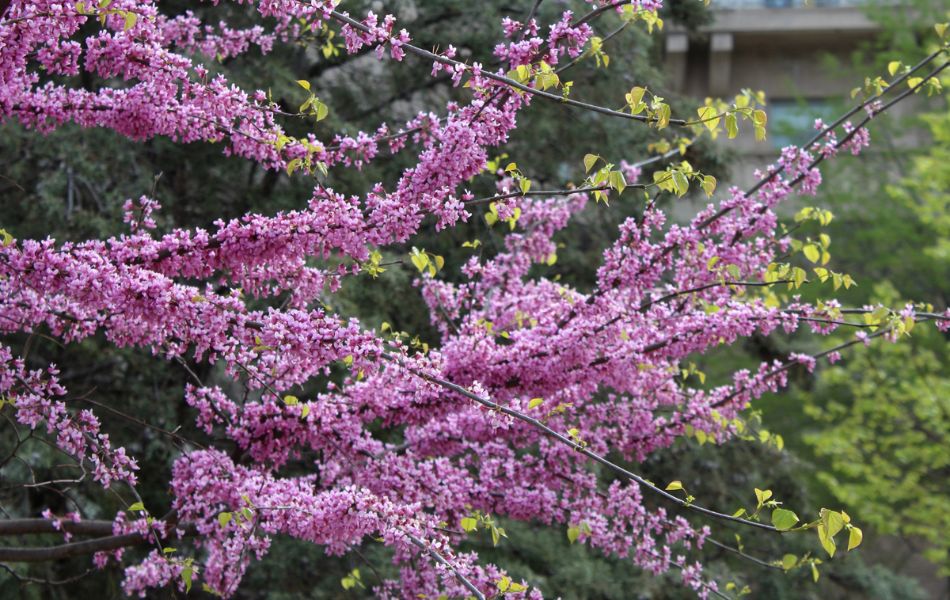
{"x": 538, "y": 397}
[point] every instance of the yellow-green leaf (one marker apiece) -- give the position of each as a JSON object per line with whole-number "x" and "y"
{"x": 589, "y": 161}
{"x": 420, "y": 260}
{"x": 573, "y": 533}
{"x": 680, "y": 182}
{"x": 833, "y": 521}
{"x": 707, "y": 114}
{"x": 732, "y": 125}
{"x": 826, "y": 541}
{"x": 789, "y": 561}
{"x": 784, "y": 519}
{"x": 634, "y": 97}
{"x": 854, "y": 538}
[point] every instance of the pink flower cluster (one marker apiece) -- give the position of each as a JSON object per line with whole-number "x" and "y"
{"x": 36, "y": 396}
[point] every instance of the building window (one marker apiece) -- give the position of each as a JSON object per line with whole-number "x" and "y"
{"x": 791, "y": 122}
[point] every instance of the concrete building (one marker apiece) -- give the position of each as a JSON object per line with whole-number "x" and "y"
{"x": 779, "y": 46}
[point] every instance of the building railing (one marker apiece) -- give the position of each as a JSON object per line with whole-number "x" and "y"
{"x": 733, "y": 4}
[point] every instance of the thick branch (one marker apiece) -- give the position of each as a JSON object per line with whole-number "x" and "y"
{"x": 64, "y": 551}
{"x": 72, "y": 549}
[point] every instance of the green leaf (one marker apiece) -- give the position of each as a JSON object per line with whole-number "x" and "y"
{"x": 469, "y": 524}
{"x": 419, "y": 259}
{"x": 833, "y": 521}
{"x": 304, "y": 84}
{"x": 634, "y": 99}
{"x": 535, "y": 402}
{"x": 186, "y": 575}
{"x": 322, "y": 110}
{"x": 814, "y": 572}
{"x": 812, "y": 253}
{"x": 854, "y": 538}
{"x": 941, "y": 29}
{"x": 709, "y": 185}
{"x": 138, "y": 506}
{"x": 789, "y": 561}
{"x": 732, "y": 125}
{"x": 224, "y": 518}
{"x": 674, "y": 485}
{"x": 573, "y": 532}
{"x": 294, "y": 165}
{"x": 617, "y": 181}
{"x": 784, "y": 519}
{"x": 759, "y": 119}
{"x": 893, "y": 66}
{"x": 662, "y": 114}
{"x": 826, "y": 541}
{"x": 589, "y": 161}
{"x": 291, "y": 400}
{"x": 680, "y": 182}
{"x": 762, "y": 495}
{"x": 799, "y": 275}
{"x": 496, "y": 535}
{"x": 707, "y": 114}
{"x": 130, "y": 19}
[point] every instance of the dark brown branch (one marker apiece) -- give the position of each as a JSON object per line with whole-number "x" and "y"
{"x": 71, "y": 549}
{"x": 64, "y": 551}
